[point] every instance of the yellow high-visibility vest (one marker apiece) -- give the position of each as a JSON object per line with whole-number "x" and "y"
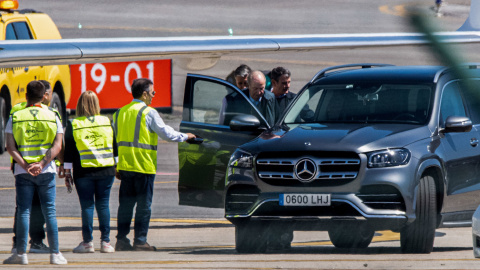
{"x": 22, "y": 105}
{"x": 137, "y": 146}
{"x": 94, "y": 140}
{"x": 34, "y": 130}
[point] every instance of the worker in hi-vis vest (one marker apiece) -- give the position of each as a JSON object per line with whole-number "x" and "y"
{"x": 37, "y": 222}
{"x": 34, "y": 137}
{"x": 137, "y": 128}
{"x": 90, "y": 165}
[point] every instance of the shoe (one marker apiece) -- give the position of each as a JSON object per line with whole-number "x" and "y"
{"x": 123, "y": 245}
{"x": 57, "y": 258}
{"x": 144, "y": 247}
{"x": 39, "y": 248}
{"x": 84, "y": 248}
{"x": 106, "y": 247}
{"x": 17, "y": 259}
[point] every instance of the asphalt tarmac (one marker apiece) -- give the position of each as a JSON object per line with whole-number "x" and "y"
{"x": 200, "y": 238}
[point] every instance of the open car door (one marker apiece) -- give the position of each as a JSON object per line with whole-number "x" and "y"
{"x": 207, "y": 113}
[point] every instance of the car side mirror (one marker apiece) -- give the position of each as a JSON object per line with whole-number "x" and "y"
{"x": 244, "y": 122}
{"x": 458, "y": 124}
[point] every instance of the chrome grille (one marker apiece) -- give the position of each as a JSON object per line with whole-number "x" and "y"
{"x": 277, "y": 170}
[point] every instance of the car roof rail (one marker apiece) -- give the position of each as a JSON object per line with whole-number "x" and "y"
{"x": 322, "y": 72}
{"x": 446, "y": 69}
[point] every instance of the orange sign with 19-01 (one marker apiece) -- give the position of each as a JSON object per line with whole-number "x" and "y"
{"x": 112, "y": 81}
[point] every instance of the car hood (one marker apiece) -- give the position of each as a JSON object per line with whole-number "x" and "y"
{"x": 337, "y": 137}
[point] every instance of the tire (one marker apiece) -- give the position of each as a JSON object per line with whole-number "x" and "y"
{"x": 251, "y": 237}
{"x": 3, "y": 121}
{"x": 418, "y": 236}
{"x": 56, "y": 103}
{"x": 351, "y": 236}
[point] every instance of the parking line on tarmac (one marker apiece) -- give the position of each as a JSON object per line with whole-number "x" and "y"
{"x": 116, "y": 183}
{"x": 398, "y": 10}
{"x": 385, "y": 236}
{"x": 203, "y": 221}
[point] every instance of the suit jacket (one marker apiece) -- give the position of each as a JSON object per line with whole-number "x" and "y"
{"x": 236, "y": 104}
{"x": 266, "y": 106}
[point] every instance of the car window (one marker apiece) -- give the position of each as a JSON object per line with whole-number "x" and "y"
{"x": 365, "y": 103}
{"x": 22, "y": 30}
{"x": 471, "y": 92}
{"x": 18, "y": 30}
{"x": 305, "y": 106}
{"x": 10, "y": 33}
{"x": 452, "y": 103}
{"x": 206, "y": 102}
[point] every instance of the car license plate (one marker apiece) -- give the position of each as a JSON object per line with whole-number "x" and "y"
{"x": 305, "y": 199}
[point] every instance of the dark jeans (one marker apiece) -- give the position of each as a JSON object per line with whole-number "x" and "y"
{"x": 94, "y": 192}
{"x": 26, "y": 185}
{"x": 37, "y": 222}
{"x": 135, "y": 188}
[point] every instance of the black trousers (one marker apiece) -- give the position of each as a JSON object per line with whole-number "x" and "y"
{"x": 37, "y": 222}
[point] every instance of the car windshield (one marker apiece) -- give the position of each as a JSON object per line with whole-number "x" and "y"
{"x": 362, "y": 103}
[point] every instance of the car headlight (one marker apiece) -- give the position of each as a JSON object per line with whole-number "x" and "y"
{"x": 388, "y": 158}
{"x": 241, "y": 159}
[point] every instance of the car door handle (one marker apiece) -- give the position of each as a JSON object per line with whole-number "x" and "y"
{"x": 473, "y": 142}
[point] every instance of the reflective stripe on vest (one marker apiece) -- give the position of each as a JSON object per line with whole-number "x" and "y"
{"x": 34, "y": 130}
{"x": 137, "y": 146}
{"x": 94, "y": 140}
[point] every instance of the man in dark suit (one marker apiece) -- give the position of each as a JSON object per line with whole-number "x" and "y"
{"x": 280, "y": 88}
{"x": 281, "y": 78}
{"x": 264, "y": 100}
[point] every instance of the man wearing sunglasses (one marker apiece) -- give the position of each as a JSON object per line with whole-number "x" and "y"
{"x": 137, "y": 127}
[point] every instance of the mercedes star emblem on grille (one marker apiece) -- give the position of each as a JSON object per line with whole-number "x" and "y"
{"x": 305, "y": 170}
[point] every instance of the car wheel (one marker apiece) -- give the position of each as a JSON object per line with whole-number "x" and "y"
{"x": 418, "y": 236}
{"x": 251, "y": 237}
{"x": 3, "y": 117}
{"x": 351, "y": 236}
{"x": 56, "y": 103}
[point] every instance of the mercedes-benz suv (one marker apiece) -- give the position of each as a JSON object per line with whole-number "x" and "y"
{"x": 385, "y": 148}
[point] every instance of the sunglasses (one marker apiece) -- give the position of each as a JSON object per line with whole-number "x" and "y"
{"x": 153, "y": 93}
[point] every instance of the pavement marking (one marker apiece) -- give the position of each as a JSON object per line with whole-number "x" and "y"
{"x": 202, "y": 221}
{"x": 116, "y": 183}
{"x": 165, "y": 220}
{"x": 385, "y": 236}
{"x": 398, "y": 10}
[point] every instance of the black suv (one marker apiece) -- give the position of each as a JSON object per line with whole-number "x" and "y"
{"x": 386, "y": 148}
